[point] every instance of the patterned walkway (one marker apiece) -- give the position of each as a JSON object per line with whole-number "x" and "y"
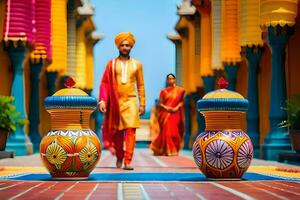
{"x": 286, "y": 186}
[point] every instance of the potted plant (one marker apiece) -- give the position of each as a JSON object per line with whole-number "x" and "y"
{"x": 293, "y": 120}
{"x": 9, "y": 119}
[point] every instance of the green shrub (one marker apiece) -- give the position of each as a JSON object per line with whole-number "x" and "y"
{"x": 293, "y": 113}
{"x": 9, "y": 117}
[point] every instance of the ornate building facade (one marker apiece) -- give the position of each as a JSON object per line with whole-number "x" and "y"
{"x": 253, "y": 43}
{"x": 43, "y": 41}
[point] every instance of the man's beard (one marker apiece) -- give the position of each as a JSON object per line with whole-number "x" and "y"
{"x": 124, "y": 54}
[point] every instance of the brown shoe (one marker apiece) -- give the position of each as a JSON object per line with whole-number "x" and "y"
{"x": 128, "y": 167}
{"x": 119, "y": 163}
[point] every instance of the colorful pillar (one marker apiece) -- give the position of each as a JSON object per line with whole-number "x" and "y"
{"x": 59, "y": 43}
{"x": 176, "y": 39}
{"x": 204, "y": 9}
{"x": 230, "y": 41}
{"x": 34, "y": 105}
{"x": 71, "y": 29}
{"x": 216, "y": 41}
{"x": 187, "y": 110}
{"x": 199, "y": 117}
{"x": 187, "y": 31}
{"x": 18, "y": 141}
{"x": 17, "y": 34}
{"x": 231, "y": 71}
{"x": 251, "y": 42}
{"x": 277, "y": 139}
{"x": 209, "y": 83}
{"x": 98, "y": 124}
{"x": 42, "y": 51}
{"x": 51, "y": 82}
{"x": 277, "y": 18}
{"x": 253, "y": 55}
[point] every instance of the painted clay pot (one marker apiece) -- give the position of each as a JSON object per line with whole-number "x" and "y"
{"x": 223, "y": 150}
{"x": 70, "y": 150}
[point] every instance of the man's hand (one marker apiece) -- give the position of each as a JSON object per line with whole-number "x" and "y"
{"x": 142, "y": 110}
{"x": 102, "y": 106}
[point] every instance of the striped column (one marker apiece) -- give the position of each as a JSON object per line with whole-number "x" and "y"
{"x": 42, "y": 51}
{"x": 92, "y": 40}
{"x": 277, "y": 18}
{"x": 204, "y": 8}
{"x": 17, "y": 33}
{"x": 216, "y": 17}
{"x": 72, "y": 38}
{"x": 58, "y": 66}
{"x": 81, "y": 56}
{"x": 251, "y": 41}
{"x": 230, "y": 47}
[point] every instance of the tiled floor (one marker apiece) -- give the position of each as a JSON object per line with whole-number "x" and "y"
{"x": 145, "y": 162}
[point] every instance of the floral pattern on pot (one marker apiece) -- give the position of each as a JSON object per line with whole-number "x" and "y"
{"x": 245, "y": 154}
{"x": 219, "y": 154}
{"x": 223, "y": 154}
{"x": 74, "y": 156}
{"x": 197, "y": 154}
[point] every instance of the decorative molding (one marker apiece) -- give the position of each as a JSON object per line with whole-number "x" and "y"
{"x": 186, "y": 8}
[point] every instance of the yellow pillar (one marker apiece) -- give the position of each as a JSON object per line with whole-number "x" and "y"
{"x": 90, "y": 67}
{"x": 250, "y": 31}
{"x": 80, "y": 70}
{"x": 59, "y": 36}
{"x": 191, "y": 72}
{"x": 59, "y": 57}
{"x": 92, "y": 39}
{"x": 216, "y": 17}
{"x": 230, "y": 45}
{"x": 204, "y": 9}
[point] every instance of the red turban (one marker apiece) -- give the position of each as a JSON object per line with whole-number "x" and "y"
{"x": 121, "y": 37}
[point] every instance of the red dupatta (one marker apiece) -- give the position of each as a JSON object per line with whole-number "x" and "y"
{"x": 109, "y": 95}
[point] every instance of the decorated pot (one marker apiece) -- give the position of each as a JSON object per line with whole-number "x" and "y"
{"x": 70, "y": 149}
{"x": 223, "y": 150}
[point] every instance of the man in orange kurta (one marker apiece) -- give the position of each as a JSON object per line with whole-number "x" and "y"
{"x": 118, "y": 100}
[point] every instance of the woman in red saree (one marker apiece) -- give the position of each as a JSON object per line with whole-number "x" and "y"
{"x": 171, "y": 120}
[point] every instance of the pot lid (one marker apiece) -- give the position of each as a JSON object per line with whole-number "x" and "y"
{"x": 70, "y": 98}
{"x": 222, "y": 99}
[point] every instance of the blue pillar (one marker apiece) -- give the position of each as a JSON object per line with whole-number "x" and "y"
{"x": 253, "y": 55}
{"x": 18, "y": 141}
{"x": 209, "y": 83}
{"x": 34, "y": 105}
{"x": 231, "y": 71}
{"x": 277, "y": 140}
{"x": 200, "y": 118}
{"x": 98, "y": 124}
{"x": 187, "y": 110}
{"x": 51, "y": 82}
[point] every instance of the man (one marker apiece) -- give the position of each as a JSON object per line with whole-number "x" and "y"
{"x": 117, "y": 99}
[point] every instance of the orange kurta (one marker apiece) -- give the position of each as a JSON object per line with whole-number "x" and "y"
{"x": 129, "y": 113}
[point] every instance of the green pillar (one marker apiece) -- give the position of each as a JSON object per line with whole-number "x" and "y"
{"x": 51, "y": 82}
{"x": 253, "y": 55}
{"x": 277, "y": 139}
{"x": 209, "y": 83}
{"x": 34, "y": 105}
{"x": 187, "y": 110}
{"x": 231, "y": 71}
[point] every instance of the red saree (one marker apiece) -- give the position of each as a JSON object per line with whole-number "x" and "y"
{"x": 109, "y": 95}
{"x": 171, "y": 124}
